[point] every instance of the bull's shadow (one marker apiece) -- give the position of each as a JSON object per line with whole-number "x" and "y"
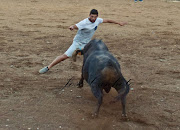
{"x": 101, "y": 70}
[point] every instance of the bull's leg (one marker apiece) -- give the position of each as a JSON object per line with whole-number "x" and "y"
{"x": 74, "y": 55}
{"x": 122, "y": 96}
{"x": 80, "y": 84}
{"x": 123, "y": 102}
{"x": 98, "y": 106}
{"x": 99, "y": 95}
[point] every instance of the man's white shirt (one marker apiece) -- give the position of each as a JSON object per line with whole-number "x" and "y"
{"x": 86, "y": 30}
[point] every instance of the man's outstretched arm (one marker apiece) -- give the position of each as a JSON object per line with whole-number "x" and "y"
{"x": 73, "y": 27}
{"x": 111, "y": 21}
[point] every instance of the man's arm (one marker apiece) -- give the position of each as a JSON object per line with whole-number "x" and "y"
{"x": 73, "y": 27}
{"x": 111, "y": 21}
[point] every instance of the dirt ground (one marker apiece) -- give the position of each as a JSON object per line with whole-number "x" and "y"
{"x": 34, "y": 32}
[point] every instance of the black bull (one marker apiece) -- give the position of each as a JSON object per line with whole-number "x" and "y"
{"x": 101, "y": 70}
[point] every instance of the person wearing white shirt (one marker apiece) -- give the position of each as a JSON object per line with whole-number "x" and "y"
{"x": 86, "y": 29}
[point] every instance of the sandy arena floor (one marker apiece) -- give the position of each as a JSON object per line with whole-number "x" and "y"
{"x": 34, "y": 32}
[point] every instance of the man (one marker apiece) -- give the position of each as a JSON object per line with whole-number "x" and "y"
{"x": 86, "y": 29}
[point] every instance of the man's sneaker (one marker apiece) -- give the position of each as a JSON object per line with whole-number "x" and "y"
{"x": 43, "y": 70}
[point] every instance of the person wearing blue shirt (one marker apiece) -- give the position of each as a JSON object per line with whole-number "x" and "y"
{"x": 137, "y": 1}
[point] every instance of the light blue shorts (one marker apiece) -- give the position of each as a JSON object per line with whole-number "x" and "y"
{"x": 75, "y": 45}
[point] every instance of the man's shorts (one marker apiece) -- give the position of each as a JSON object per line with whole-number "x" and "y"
{"x": 75, "y": 45}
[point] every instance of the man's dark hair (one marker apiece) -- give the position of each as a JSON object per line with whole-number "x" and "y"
{"x": 94, "y": 11}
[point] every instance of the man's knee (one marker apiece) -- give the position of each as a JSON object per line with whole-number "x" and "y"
{"x": 64, "y": 56}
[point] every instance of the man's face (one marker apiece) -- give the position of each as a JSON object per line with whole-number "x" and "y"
{"x": 93, "y": 17}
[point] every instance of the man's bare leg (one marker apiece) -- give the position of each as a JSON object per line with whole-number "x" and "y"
{"x": 56, "y": 61}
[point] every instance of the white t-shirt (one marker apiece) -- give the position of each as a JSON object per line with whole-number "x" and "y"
{"x": 86, "y": 30}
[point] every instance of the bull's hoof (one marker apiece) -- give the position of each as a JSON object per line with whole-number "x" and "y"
{"x": 95, "y": 115}
{"x": 124, "y": 115}
{"x": 79, "y": 85}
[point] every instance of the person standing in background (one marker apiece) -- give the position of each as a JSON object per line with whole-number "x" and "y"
{"x": 137, "y": 1}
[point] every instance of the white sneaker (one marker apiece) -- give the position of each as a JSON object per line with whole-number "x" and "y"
{"x": 43, "y": 70}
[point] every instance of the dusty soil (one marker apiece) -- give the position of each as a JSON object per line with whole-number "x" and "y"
{"x": 34, "y": 32}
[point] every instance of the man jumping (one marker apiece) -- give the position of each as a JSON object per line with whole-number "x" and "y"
{"x": 86, "y": 29}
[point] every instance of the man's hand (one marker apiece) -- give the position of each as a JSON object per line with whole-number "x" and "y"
{"x": 71, "y": 27}
{"x": 122, "y": 23}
